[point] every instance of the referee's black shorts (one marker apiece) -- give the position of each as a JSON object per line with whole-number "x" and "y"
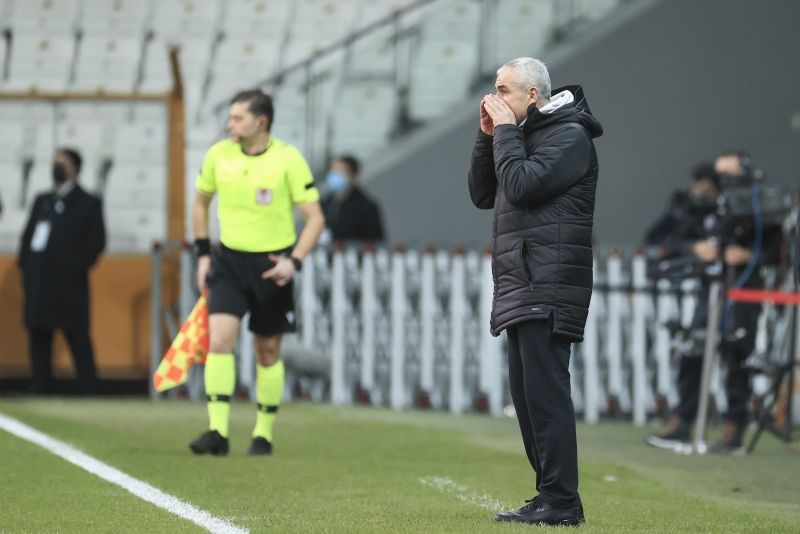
{"x": 235, "y": 287}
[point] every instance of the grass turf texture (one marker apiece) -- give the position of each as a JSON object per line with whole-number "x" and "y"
{"x": 359, "y": 470}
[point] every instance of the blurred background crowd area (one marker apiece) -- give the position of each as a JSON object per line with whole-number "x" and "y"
{"x": 141, "y": 90}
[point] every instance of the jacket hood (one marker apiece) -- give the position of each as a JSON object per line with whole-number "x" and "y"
{"x": 577, "y": 111}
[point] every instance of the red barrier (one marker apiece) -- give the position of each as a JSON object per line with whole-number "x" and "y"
{"x": 761, "y": 295}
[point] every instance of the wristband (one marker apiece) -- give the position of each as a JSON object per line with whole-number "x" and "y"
{"x": 202, "y": 247}
{"x": 298, "y": 264}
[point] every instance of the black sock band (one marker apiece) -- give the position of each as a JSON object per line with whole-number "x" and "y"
{"x": 267, "y": 409}
{"x": 218, "y": 398}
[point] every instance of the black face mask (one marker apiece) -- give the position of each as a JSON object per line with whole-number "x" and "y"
{"x": 59, "y": 173}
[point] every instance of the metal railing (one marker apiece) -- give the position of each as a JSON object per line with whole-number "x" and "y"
{"x": 410, "y": 328}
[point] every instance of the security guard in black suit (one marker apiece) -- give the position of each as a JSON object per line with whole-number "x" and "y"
{"x": 62, "y": 240}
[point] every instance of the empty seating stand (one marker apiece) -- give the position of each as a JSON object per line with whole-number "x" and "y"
{"x": 352, "y": 105}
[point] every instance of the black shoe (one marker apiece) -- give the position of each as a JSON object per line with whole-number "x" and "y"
{"x": 677, "y": 433}
{"x": 731, "y": 440}
{"x": 259, "y": 447}
{"x": 211, "y": 442}
{"x": 538, "y": 512}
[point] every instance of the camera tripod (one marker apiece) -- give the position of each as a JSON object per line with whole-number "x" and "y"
{"x": 783, "y": 372}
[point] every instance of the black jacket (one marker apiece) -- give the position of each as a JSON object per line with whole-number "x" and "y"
{"x": 55, "y": 279}
{"x": 355, "y": 218}
{"x": 541, "y": 181}
{"x": 699, "y": 227}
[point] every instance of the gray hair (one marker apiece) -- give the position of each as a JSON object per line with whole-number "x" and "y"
{"x": 530, "y": 73}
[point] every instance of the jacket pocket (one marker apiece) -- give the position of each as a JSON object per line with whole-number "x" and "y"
{"x": 527, "y": 265}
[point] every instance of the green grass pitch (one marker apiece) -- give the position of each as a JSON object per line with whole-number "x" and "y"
{"x": 370, "y": 470}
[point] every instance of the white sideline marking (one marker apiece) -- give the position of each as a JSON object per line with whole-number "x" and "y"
{"x": 141, "y": 489}
{"x": 446, "y": 485}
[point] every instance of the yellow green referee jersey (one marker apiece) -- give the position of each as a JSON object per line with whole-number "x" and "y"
{"x": 257, "y": 194}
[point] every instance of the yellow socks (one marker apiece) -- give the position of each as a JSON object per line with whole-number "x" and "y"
{"x": 269, "y": 390}
{"x": 220, "y": 379}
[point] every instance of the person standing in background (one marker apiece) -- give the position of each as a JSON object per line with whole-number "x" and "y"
{"x": 61, "y": 242}
{"x": 350, "y": 214}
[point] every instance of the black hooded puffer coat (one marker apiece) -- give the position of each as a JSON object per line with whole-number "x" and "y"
{"x": 540, "y": 180}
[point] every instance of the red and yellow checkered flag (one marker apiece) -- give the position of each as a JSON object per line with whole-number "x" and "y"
{"x": 189, "y": 347}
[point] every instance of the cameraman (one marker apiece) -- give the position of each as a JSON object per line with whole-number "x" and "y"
{"x": 710, "y": 238}
{"x": 705, "y": 186}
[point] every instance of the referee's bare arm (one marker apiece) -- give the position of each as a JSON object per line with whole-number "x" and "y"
{"x": 200, "y": 227}
{"x": 315, "y": 225}
{"x": 284, "y": 269}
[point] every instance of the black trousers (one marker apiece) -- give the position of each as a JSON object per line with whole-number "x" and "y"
{"x": 737, "y": 344}
{"x": 538, "y": 372}
{"x": 80, "y": 344}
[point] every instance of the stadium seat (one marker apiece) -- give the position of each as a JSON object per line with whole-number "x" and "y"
{"x": 370, "y": 11}
{"x": 523, "y": 28}
{"x": 220, "y": 92}
{"x": 182, "y": 19}
{"x": 6, "y": 13}
{"x": 132, "y": 231}
{"x": 26, "y": 111}
{"x": 458, "y": 20}
{"x": 249, "y": 59}
{"x": 40, "y": 63}
{"x": 141, "y": 177}
{"x": 44, "y": 17}
{"x": 250, "y": 19}
{"x": 141, "y": 143}
{"x": 290, "y": 114}
{"x": 193, "y": 55}
{"x": 40, "y": 179}
{"x": 118, "y": 18}
{"x": 453, "y": 61}
{"x": 12, "y": 138}
{"x": 150, "y": 111}
{"x": 327, "y": 20}
{"x": 11, "y": 187}
{"x": 299, "y": 50}
{"x": 106, "y": 112}
{"x": 3, "y": 50}
{"x": 363, "y": 118}
{"x": 372, "y": 59}
{"x": 107, "y": 64}
{"x": 194, "y": 162}
{"x": 118, "y": 197}
{"x": 12, "y": 224}
{"x": 136, "y": 187}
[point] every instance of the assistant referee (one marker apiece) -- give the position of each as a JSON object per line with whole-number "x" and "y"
{"x": 259, "y": 181}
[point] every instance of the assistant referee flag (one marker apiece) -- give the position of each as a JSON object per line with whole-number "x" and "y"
{"x": 190, "y": 347}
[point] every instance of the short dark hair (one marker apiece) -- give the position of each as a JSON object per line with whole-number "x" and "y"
{"x": 260, "y": 104}
{"x": 351, "y": 162}
{"x": 74, "y": 156}
{"x": 705, "y": 171}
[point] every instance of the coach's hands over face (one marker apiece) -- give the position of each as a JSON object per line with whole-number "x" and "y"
{"x": 283, "y": 271}
{"x": 487, "y": 126}
{"x": 498, "y": 113}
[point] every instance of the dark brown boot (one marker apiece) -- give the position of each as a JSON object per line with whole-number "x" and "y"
{"x": 731, "y": 440}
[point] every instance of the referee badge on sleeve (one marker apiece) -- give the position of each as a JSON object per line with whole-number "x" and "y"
{"x": 264, "y": 196}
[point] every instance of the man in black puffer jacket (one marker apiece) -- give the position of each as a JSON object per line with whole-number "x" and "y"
{"x": 535, "y": 164}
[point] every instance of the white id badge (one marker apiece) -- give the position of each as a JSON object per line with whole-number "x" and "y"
{"x": 41, "y": 234}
